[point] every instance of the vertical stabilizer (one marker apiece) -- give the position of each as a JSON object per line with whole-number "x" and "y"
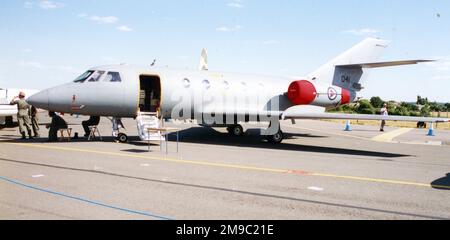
{"x": 367, "y": 51}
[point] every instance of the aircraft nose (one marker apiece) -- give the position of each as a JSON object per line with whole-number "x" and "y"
{"x": 39, "y": 100}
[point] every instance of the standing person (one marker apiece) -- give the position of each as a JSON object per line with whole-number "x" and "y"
{"x": 93, "y": 121}
{"x": 56, "y": 124}
{"x": 22, "y": 114}
{"x": 383, "y": 112}
{"x": 34, "y": 121}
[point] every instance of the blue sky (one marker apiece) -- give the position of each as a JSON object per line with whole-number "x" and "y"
{"x": 46, "y": 43}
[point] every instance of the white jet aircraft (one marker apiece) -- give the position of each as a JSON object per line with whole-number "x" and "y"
{"x": 221, "y": 99}
{"x": 7, "y": 111}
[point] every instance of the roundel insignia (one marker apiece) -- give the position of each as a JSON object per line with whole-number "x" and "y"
{"x": 332, "y": 94}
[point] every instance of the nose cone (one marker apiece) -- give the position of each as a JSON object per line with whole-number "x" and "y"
{"x": 39, "y": 100}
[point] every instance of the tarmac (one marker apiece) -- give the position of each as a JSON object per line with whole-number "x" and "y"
{"x": 318, "y": 172}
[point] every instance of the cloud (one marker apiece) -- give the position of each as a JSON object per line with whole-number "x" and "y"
{"x": 105, "y": 20}
{"x": 49, "y": 5}
{"x": 28, "y": 5}
{"x": 236, "y": 4}
{"x": 362, "y": 31}
{"x": 124, "y": 28}
{"x": 228, "y": 29}
{"x": 99, "y": 19}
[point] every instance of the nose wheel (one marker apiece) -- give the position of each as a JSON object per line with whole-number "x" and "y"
{"x": 236, "y": 130}
{"x": 122, "y": 138}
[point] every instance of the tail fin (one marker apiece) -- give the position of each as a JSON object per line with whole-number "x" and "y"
{"x": 367, "y": 51}
{"x": 349, "y": 69}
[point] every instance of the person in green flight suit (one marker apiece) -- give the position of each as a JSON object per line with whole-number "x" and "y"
{"x": 34, "y": 121}
{"x": 23, "y": 117}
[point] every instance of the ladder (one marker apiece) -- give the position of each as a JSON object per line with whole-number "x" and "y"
{"x": 147, "y": 120}
{"x": 3, "y": 97}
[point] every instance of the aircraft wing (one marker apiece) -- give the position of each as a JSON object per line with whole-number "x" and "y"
{"x": 384, "y": 64}
{"x": 304, "y": 115}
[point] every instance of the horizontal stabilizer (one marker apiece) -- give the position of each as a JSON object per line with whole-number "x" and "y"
{"x": 384, "y": 64}
{"x": 303, "y": 115}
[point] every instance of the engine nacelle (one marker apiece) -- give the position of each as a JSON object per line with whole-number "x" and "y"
{"x": 304, "y": 92}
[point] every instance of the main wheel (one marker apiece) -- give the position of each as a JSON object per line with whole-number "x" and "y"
{"x": 122, "y": 138}
{"x": 276, "y": 138}
{"x": 236, "y": 130}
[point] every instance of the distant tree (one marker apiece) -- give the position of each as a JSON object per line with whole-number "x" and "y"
{"x": 422, "y": 101}
{"x": 435, "y": 107}
{"x": 447, "y": 107}
{"x": 376, "y": 102}
{"x": 365, "y": 107}
{"x": 410, "y": 106}
{"x": 425, "y": 111}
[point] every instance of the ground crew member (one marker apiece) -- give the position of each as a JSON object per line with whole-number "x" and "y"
{"x": 56, "y": 124}
{"x": 34, "y": 121}
{"x": 383, "y": 112}
{"x": 22, "y": 114}
{"x": 93, "y": 121}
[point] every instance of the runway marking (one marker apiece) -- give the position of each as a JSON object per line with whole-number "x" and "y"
{"x": 37, "y": 176}
{"x": 317, "y": 189}
{"x": 241, "y": 167}
{"x": 144, "y": 165}
{"x": 387, "y": 137}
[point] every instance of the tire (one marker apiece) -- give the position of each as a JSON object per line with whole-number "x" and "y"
{"x": 236, "y": 130}
{"x": 122, "y": 138}
{"x": 276, "y": 138}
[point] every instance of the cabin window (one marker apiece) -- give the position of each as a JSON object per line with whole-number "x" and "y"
{"x": 96, "y": 76}
{"x": 244, "y": 86}
{"x": 83, "y": 77}
{"x": 186, "y": 83}
{"x": 206, "y": 84}
{"x": 113, "y": 77}
{"x": 226, "y": 85}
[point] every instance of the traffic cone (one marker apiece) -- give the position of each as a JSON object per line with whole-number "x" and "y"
{"x": 347, "y": 126}
{"x": 431, "y": 130}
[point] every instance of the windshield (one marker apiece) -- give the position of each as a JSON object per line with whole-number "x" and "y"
{"x": 96, "y": 76}
{"x": 83, "y": 77}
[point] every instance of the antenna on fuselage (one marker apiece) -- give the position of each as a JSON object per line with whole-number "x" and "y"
{"x": 203, "y": 60}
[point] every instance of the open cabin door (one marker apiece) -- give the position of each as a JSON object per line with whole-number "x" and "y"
{"x": 149, "y": 107}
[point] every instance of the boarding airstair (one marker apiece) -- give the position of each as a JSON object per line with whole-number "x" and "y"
{"x": 146, "y": 120}
{"x": 3, "y": 97}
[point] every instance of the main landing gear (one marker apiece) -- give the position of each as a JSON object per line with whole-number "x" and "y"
{"x": 271, "y": 135}
{"x": 276, "y": 138}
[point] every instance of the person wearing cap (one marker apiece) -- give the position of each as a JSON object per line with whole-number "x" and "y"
{"x": 23, "y": 117}
{"x": 383, "y": 112}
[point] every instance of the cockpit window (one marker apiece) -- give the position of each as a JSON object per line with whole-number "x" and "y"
{"x": 96, "y": 76}
{"x": 83, "y": 77}
{"x": 113, "y": 77}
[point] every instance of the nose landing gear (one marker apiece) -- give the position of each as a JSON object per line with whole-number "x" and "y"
{"x": 236, "y": 130}
{"x": 122, "y": 138}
